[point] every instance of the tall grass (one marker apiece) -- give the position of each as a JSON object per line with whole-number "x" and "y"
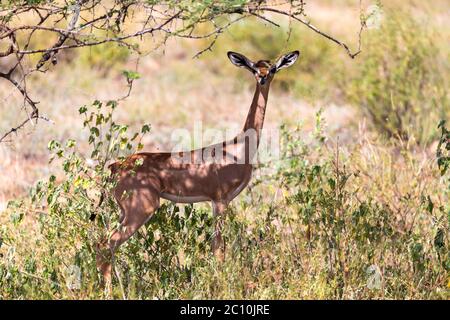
{"x": 401, "y": 81}
{"x": 306, "y": 228}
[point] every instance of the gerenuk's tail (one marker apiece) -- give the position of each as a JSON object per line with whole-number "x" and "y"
{"x": 113, "y": 167}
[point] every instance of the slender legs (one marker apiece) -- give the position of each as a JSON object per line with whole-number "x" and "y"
{"x": 137, "y": 208}
{"x": 218, "y": 244}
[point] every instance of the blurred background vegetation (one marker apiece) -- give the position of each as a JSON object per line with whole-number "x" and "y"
{"x": 360, "y": 188}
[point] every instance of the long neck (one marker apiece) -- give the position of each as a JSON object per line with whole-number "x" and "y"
{"x": 255, "y": 117}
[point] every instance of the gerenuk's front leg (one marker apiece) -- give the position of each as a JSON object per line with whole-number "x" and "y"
{"x": 218, "y": 244}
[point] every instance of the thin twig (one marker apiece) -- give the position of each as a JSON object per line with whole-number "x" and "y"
{"x": 315, "y": 29}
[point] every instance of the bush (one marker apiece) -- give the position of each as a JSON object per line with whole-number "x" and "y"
{"x": 354, "y": 239}
{"x": 400, "y": 83}
{"x": 63, "y": 207}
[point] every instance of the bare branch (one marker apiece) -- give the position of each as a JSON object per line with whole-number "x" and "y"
{"x": 76, "y": 13}
{"x": 315, "y": 29}
{"x": 95, "y": 22}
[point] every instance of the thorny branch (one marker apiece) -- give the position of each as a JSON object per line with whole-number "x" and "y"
{"x": 125, "y": 23}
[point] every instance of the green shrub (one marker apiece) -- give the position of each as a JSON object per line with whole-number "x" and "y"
{"x": 63, "y": 207}
{"x": 400, "y": 83}
{"x": 357, "y": 240}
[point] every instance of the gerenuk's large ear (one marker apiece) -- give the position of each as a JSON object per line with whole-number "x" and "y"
{"x": 241, "y": 61}
{"x": 287, "y": 60}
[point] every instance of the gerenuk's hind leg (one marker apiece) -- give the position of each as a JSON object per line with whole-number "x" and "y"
{"x": 137, "y": 206}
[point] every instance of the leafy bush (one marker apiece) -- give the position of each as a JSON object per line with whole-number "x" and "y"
{"x": 169, "y": 245}
{"x": 64, "y": 208}
{"x": 443, "y": 158}
{"x": 359, "y": 245}
{"x": 401, "y": 81}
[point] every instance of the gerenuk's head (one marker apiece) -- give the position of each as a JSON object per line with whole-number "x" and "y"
{"x": 263, "y": 70}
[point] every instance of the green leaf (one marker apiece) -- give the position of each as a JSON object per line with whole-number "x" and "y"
{"x": 134, "y": 136}
{"x": 97, "y": 103}
{"x": 112, "y": 104}
{"x": 99, "y": 119}
{"x": 439, "y": 239}
{"x": 53, "y": 145}
{"x": 94, "y": 130}
{"x": 430, "y": 205}
{"x": 16, "y": 218}
{"x": 70, "y": 143}
{"x": 123, "y": 129}
{"x": 139, "y": 162}
{"x": 131, "y": 75}
{"x": 145, "y": 128}
{"x": 332, "y": 183}
{"x": 82, "y": 109}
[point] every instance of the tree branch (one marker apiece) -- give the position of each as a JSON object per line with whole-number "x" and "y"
{"x": 95, "y": 22}
{"x": 315, "y": 29}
